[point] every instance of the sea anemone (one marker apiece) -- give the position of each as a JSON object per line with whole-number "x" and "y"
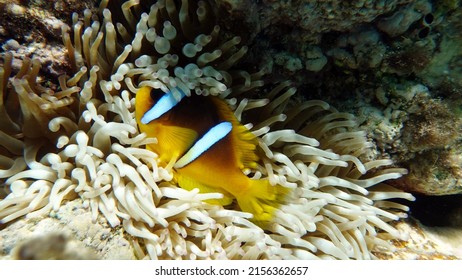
{"x": 338, "y": 206}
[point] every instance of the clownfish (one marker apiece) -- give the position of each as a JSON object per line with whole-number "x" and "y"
{"x": 208, "y": 148}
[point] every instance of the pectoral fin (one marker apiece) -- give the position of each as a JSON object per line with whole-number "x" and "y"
{"x": 173, "y": 141}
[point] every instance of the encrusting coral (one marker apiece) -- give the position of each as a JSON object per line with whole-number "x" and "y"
{"x": 338, "y": 206}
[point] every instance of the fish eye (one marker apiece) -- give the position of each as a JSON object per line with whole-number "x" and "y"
{"x": 156, "y": 94}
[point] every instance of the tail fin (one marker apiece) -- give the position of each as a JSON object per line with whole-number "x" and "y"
{"x": 262, "y": 199}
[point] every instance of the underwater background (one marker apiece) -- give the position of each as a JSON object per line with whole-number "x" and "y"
{"x": 395, "y": 65}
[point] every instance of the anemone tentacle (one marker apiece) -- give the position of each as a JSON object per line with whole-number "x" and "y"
{"x": 339, "y": 205}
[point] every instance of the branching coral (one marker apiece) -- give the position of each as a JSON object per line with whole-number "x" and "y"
{"x": 338, "y": 206}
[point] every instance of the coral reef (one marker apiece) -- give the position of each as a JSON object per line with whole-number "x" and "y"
{"x": 376, "y": 62}
{"x": 419, "y": 132}
{"x": 81, "y": 141}
{"x": 308, "y": 19}
{"x": 443, "y": 72}
{"x": 434, "y": 172}
{"x": 33, "y": 28}
{"x": 398, "y": 23}
{"x": 431, "y": 135}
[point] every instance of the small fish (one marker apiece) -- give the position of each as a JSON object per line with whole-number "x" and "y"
{"x": 208, "y": 148}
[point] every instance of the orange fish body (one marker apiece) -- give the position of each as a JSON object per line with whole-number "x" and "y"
{"x": 219, "y": 167}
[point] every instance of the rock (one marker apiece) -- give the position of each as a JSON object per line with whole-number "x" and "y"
{"x": 400, "y": 21}
{"x": 68, "y": 234}
{"x": 434, "y": 172}
{"x": 424, "y": 243}
{"x": 315, "y": 59}
{"x": 420, "y": 133}
{"x": 444, "y": 70}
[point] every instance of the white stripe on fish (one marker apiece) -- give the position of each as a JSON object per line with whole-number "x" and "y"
{"x": 209, "y": 139}
{"x": 165, "y": 103}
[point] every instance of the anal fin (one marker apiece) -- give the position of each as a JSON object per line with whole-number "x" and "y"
{"x": 190, "y": 184}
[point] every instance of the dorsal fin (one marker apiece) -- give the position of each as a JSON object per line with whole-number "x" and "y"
{"x": 244, "y": 140}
